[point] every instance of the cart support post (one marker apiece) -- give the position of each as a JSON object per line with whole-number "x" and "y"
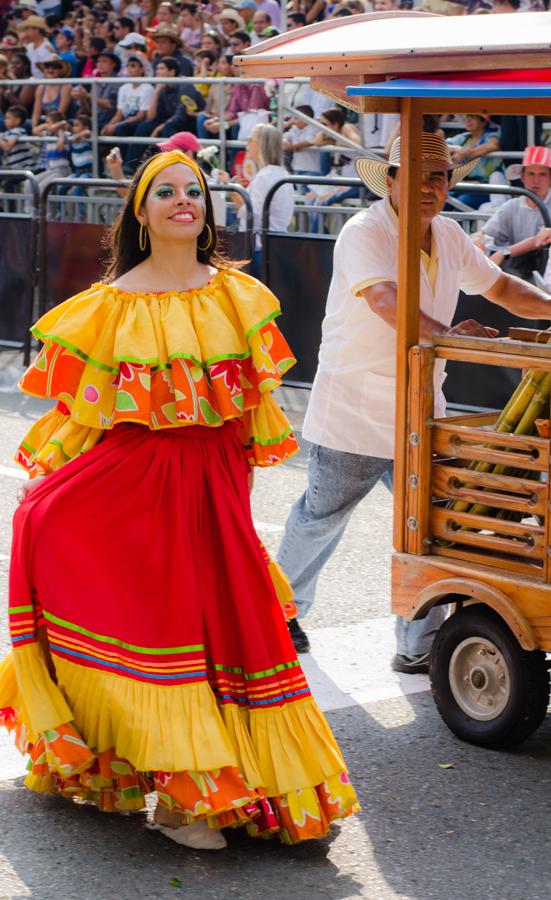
{"x": 407, "y": 313}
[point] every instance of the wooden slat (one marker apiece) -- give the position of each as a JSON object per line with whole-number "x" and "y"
{"x": 484, "y": 358}
{"x": 473, "y": 444}
{"x": 496, "y": 345}
{"x": 509, "y": 106}
{"x": 533, "y": 335}
{"x": 420, "y": 409}
{"x": 472, "y": 486}
{"x": 442, "y": 520}
{"x": 474, "y": 419}
{"x": 532, "y": 569}
{"x": 407, "y": 311}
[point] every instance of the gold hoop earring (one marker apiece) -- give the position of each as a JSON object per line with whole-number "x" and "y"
{"x": 210, "y": 241}
{"x": 142, "y": 239}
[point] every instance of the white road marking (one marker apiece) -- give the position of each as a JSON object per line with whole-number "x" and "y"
{"x": 268, "y": 528}
{"x": 12, "y": 472}
{"x": 348, "y": 666}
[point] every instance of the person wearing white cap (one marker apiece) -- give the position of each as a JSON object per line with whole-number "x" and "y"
{"x": 350, "y": 417}
{"x": 516, "y": 228}
{"x": 273, "y": 9}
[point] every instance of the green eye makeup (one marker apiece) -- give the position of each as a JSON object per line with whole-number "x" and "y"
{"x": 193, "y": 191}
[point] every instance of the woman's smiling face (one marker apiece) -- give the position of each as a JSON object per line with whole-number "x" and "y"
{"x": 175, "y": 205}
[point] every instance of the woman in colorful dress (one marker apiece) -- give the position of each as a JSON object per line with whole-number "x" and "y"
{"x": 150, "y": 651}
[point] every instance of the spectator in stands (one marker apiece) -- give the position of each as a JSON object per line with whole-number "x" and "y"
{"x": 261, "y": 20}
{"x": 165, "y": 14}
{"x": 10, "y": 45}
{"x": 16, "y": 154}
{"x": 169, "y": 43}
{"x": 208, "y": 121}
{"x": 92, "y": 47}
{"x": 163, "y": 105}
{"x": 64, "y": 41}
{"x": 385, "y": 5}
{"x": 335, "y": 119}
{"x": 295, "y": 20}
{"x": 265, "y": 149}
{"x": 55, "y": 157}
{"x": 314, "y": 10}
{"x": 190, "y": 103}
{"x": 478, "y": 140}
{"x": 246, "y": 9}
{"x": 108, "y": 66}
{"x": 78, "y": 141}
{"x": 245, "y": 98}
{"x": 513, "y": 230}
{"x": 20, "y": 94}
{"x": 299, "y": 140}
{"x": 133, "y": 102}
{"x": 37, "y": 46}
{"x": 123, "y": 25}
{"x": 135, "y": 44}
{"x": 230, "y": 21}
{"x": 148, "y": 18}
{"x": 212, "y": 41}
{"x": 239, "y": 41}
{"x": 505, "y": 6}
{"x": 273, "y": 9}
{"x": 52, "y": 97}
{"x": 107, "y": 32}
{"x": 190, "y": 25}
{"x": 205, "y": 67}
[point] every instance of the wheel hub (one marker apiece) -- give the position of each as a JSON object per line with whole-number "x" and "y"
{"x": 479, "y": 678}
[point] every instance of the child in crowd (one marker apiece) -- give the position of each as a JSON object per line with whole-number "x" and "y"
{"x": 299, "y": 139}
{"x": 16, "y": 154}
{"x": 55, "y": 155}
{"x": 78, "y": 142}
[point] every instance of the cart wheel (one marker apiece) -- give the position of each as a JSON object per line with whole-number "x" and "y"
{"x": 488, "y": 690}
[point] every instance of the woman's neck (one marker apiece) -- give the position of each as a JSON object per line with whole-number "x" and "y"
{"x": 173, "y": 266}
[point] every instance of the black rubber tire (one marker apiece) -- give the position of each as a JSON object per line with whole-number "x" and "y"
{"x": 528, "y": 674}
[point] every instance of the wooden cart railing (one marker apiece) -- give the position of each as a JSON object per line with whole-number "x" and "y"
{"x": 474, "y": 494}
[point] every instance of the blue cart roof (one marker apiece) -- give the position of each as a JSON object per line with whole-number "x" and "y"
{"x": 433, "y": 87}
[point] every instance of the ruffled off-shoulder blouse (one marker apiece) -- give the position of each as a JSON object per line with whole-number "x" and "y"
{"x": 163, "y": 360}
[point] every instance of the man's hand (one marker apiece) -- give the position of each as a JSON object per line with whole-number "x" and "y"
{"x": 472, "y": 328}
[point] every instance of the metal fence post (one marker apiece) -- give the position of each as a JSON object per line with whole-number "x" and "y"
{"x": 95, "y": 134}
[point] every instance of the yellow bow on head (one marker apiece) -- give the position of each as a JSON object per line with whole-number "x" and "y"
{"x": 159, "y": 162}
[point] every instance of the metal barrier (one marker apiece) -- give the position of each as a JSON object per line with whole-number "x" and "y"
{"x": 71, "y": 254}
{"x": 93, "y": 83}
{"x": 18, "y": 268}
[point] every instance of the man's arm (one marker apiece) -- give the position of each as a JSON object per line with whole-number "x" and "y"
{"x": 519, "y": 297}
{"x": 381, "y": 299}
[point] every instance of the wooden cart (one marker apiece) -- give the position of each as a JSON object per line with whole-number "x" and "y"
{"x": 488, "y": 671}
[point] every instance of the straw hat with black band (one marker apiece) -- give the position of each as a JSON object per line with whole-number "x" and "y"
{"x": 435, "y": 157}
{"x": 63, "y": 65}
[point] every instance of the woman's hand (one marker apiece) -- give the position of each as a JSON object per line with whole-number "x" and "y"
{"x": 25, "y": 489}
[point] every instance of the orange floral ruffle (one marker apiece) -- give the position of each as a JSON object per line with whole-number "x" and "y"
{"x": 61, "y": 762}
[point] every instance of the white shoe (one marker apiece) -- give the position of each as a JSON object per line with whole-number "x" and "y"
{"x": 198, "y": 835}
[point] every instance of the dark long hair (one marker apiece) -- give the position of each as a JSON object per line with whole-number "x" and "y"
{"x": 123, "y": 238}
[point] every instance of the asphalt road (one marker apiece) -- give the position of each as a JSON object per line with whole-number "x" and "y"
{"x": 474, "y": 831}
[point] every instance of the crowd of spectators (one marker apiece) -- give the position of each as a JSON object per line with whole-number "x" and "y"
{"x": 126, "y": 39}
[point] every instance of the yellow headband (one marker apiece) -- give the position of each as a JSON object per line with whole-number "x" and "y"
{"x": 159, "y": 162}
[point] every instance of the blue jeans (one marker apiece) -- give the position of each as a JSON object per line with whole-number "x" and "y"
{"x": 337, "y": 482}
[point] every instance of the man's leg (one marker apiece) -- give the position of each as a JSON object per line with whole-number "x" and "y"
{"x": 414, "y": 639}
{"x": 337, "y": 481}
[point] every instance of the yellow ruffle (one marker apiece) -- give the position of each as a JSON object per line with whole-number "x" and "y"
{"x": 165, "y": 360}
{"x": 54, "y": 440}
{"x": 172, "y": 729}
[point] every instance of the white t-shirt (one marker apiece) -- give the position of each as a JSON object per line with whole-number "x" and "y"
{"x": 132, "y": 99}
{"x": 281, "y": 206}
{"x": 307, "y": 159}
{"x": 39, "y": 55}
{"x": 353, "y": 397}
